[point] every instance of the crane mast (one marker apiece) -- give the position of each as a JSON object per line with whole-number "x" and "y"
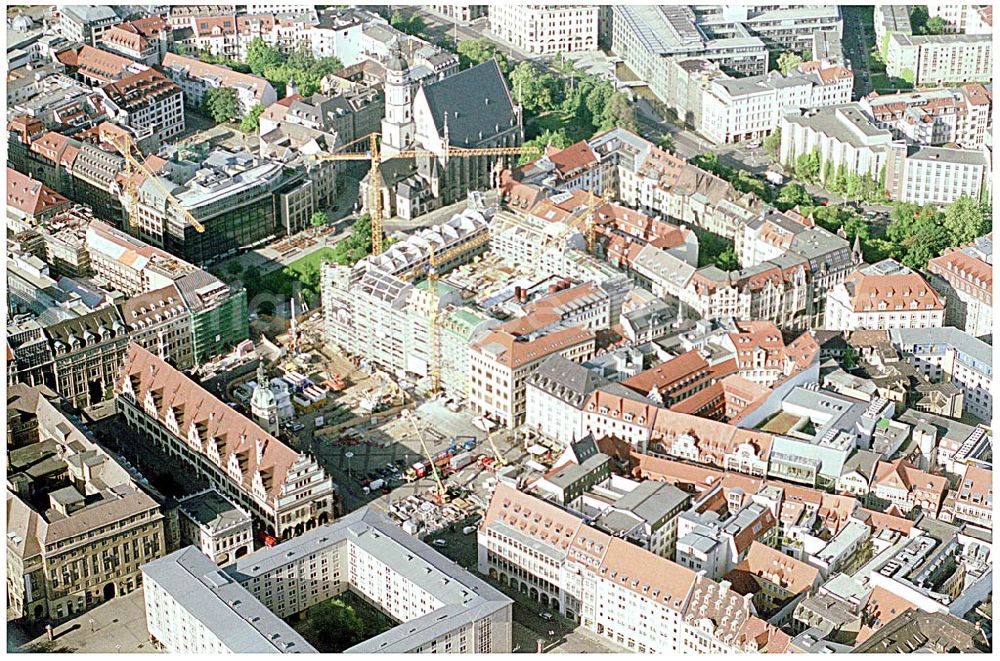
{"x": 127, "y": 148}
{"x": 374, "y": 155}
{"x": 441, "y": 492}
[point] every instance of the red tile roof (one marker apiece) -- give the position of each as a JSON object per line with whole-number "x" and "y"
{"x": 907, "y": 291}
{"x": 231, "y": 432}
{"x": 31, "y": 196}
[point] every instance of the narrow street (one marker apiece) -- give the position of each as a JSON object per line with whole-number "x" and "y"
{"x": 857, "y": 45}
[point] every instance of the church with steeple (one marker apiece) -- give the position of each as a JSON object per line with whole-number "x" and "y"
{"x": 470, "y": 109}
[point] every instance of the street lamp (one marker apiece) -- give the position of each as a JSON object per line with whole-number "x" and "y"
{"x": 348, "y": 455}
{"x": 91, "y": 620}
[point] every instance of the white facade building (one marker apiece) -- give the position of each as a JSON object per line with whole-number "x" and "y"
{"x": 546, "y": 29}
{"x": 735, "y": 109}
{"x": 883, "y": 296}
{"x": 935, "y": 175}
{"x": 948, "y": 354}
{"x": 193, "y": 607}
{"x": 940, "y": 59}
{"x": 222, "y": 530}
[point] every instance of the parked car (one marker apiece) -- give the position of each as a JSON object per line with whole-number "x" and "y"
{"x": 468, "y": 530}
{"x": 439, "y": 542}
{"x": 545, "y": 616}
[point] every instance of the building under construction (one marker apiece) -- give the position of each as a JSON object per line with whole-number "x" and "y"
{"x": 388, "y": 313}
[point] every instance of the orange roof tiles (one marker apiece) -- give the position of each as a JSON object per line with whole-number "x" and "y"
{"x": 666, "y": 376}
{"x": 770, "y": 564}
{"x": 882, "y": 608}
{"x": 103, "y": 65}
{"x": 231, "y": 432}
{"x": 973, "y": 275}
{"x": 908, "y": 291}
{"x": 31, "y": 196}
{"x": 515, "y": 353}
{"x": 139, "y": 90}
{"x": 573, "y": 159}
{"x": 126, "y": 36}
{"x": 197, "y": 69}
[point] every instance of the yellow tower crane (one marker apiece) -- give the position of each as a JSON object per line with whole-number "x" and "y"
{"x": 133, "y": 165}
{"x": 375, "y": 176}
{"x": 487, "y": 426}
{"x": 435, "y": 329}
{"x": 441, "y": 492}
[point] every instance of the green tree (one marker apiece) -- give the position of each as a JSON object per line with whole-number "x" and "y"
{"x": 667, "y": 142}
{"x": 964, "y": 220}
{"x": 620, "y": 112}
{"x": 772, "y": 144}
{"x": 251, "y": 121}
{"x": 748, "y": 183}
{"x": 792, "y": 195}
{"x": 547, "y": 138}
{"x": 856, "y": 226}
{"x": 355, "y": 246}
{"x": 260, "y": 56}
{"x": 918, "y": 19}
{"x": 318, "y": 219}
{"x": 727, "y": 260}
{"x": 526, "y": 84}
{"x": 935, "y": 25}
{"x": 412, "y": 24}
{"x": 853, "y": 185}
{"x": 476, "y": 51}
{"x": 916, "y": 234}
{"x": 788, "y": 61}
{"x": 221, "y": 104}
{"x": 597, "y": 100}
{"x": 807, "y": 166}
{"x": 234, "y": 268}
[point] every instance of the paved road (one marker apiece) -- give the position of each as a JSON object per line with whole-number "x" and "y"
{"x": 857, "y": 46}
{"x": 117, "y": 626}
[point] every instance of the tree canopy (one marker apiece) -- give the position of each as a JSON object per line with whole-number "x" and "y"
{"x": 788, "y": 61}
{"x": 476, "y": 51}
{"x": 251, "y": 121}
{"x": 300, "y": 66}
{"x": 357, "y": 246}
{"x": 221, "y": 104}
{"x": 411, "y": 24}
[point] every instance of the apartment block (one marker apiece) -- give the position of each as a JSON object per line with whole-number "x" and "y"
{"x": 781, "y": 27}
{"x": 546, "y": 29}
{"x": 145, "y": 40}
{"x": 193, "y": 607}
{"x": 231, "y": 194}
{"x": 844, "y": 137}
{"x": 217, "y": 311}
{"x": 934, "y": 117}
{"x": 634, "y": 598}
{"x": 146, "y": 102}
{"x": 948, "y": 354}
{"x": 196, "y": 78}
{"x": 940, "y": 59}
{"x": 883, "y": 296}
{"x": 215, "y": 525}
{"x": 735, "y": 109}
{"x": 79, "y": 526}
{"x": 285, "y": 491}
{"x": 648, "y": 37}
{"x": 86, "y": 23}
{"x": 964, "y": 276}
{"x": 501, "y": 360}
{"x": 936, "y": 175}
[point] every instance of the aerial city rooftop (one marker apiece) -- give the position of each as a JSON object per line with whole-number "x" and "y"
{"x": 480, "y": 328}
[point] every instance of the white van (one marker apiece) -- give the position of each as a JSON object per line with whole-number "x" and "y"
{"x": 468, "y": 530}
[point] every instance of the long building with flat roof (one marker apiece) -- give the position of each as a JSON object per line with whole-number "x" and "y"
{"x": 194, "y": 607}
